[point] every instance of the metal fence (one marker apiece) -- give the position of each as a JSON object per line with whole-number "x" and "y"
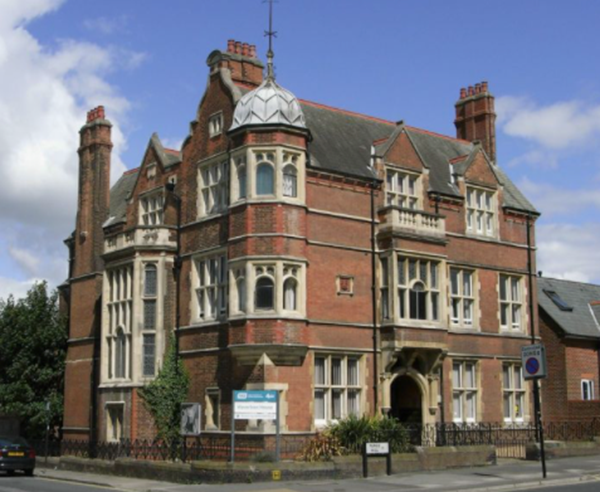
{"x": 510, "y": 441}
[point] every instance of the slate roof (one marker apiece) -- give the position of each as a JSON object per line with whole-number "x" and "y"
{"x": 582, "y": 321}
{"x": 118, "y": 197}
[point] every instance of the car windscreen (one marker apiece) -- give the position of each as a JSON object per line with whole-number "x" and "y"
{"x": 12, "y": 441}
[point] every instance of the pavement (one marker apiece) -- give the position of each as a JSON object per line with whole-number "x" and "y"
{"x": 507, "y": 475}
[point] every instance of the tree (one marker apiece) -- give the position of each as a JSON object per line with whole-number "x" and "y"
{"x": 163, "y": 396}
{"x": 33, "y": 344}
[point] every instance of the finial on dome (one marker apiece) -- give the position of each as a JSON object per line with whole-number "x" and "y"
{"x": 272, "y": 34}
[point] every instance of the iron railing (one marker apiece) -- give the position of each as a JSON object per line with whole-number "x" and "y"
{"x": 510, "y": 441}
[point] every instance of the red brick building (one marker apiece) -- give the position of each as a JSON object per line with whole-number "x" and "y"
{"x": 569, "y": 326}
{"x": 279, "y": 201}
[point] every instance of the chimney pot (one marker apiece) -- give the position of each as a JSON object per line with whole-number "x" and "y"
{"x": 471, "y": 91}
{"x": 238, "y": 48}
{"x": 484, "y": 86}
{"x": 477, "y": 88}
{"x": 245, "y": 49}
{"x": 231, "y": 45}
{"x": 101, "y": 113}
{"x": 252, "y": 52}
{"x": 463, "y": 93}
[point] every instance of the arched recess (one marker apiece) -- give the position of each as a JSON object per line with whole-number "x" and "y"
{"x": 409, "y": 394}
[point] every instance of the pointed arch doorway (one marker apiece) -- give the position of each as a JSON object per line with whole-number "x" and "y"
{"x": 406, "y": 400}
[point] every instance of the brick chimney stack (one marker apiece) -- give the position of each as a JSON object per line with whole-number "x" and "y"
{"x": 240, "y": 58}
{"x": 476, "y": 117}
{"x": 94, "y": 187}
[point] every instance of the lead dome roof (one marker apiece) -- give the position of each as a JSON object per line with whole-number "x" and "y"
{"x": 268, "y": 104}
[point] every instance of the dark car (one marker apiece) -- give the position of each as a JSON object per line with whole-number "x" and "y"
{"x": 16, "y": 454}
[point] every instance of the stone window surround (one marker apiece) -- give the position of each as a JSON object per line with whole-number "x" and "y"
{"x": 247, "y": 155}
{"x": 328, "y": 386}
{"x": 162, "y": 263}
{"x": 475, "y": 288}
{"x": 210, "y": 394}
{"x": 111, "y": 413}
{"x": 464, "y": 389}
{"x": 194, "y": 307}
{"x": 146, "y": 197}
{"x": 417, "y": 196}
{"x": 248, "y": 267}
{"x": 472, "y": 230}
{"x": 392, "y": 286}
{"x": 513, "y": 390}
{"x": 215, "y": 124}
{"x": 524, "y": 297}
{"x": 222, "y": 185}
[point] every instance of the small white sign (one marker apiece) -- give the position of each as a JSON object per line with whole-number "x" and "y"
{"x": 255, "y": 410}
{"x": 533, "y": 358}
{"x": 378, "y": 448}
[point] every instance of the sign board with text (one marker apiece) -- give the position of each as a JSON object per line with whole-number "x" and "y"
{"x": 378, "y": 448}
{"x": 534, "y": 361}
{"x": 255, "y": 404}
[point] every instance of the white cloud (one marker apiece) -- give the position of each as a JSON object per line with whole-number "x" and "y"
{"x": 569, "y": 251}
{"x": 42, "y": 106}
{"x": 17, "y": 288}
{"x": 562, "y": 125}
{"x": 551, "y": 200}
{"x": 106, "y": 25}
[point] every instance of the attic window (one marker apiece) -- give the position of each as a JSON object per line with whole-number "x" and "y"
{"x": 215, "y": 124}
{"x": 556, "y": 299}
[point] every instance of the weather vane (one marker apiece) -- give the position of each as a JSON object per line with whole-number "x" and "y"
{"x": 272, "y": 34}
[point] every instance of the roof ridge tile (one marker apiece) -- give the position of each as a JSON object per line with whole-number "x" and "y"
{"x": 346, "y": 111}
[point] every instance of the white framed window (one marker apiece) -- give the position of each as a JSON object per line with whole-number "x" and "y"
{"x": 152, "y": 209}
{"x": 402, "y": 189}
{"x": 513, "y": 390}
{"x": 215, "y": 124}
{"x": 462, "y": 297}
{"x": 213, "y": 179}
{"x": 114, "y": 421}
{"x": 481, "y": 212}
{"x": 511, "y": 302}
{"x": 587, "y": 389}
{"x": 418, "y": 289}
{"x": 464, "y": 391}
{"x": 265, "y": 174}
{"x": 120, "y": 319}
{"x": 211, "y": 287}
{"x": 337, "y": 387}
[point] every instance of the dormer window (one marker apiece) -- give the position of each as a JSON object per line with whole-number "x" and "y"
{"x": 481, "y": 212}
{"x": 152, "y": 210}
{"x": 215, "y": 125}
{"x": 402, "y": 189}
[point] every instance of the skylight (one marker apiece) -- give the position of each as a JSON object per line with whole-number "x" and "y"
{"x": 556, "y": 299}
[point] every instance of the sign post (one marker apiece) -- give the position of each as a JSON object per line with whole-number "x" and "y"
{"x": 255, "y": 405}
{"x": 533, "y": 359}
{"x": 377, "y": 449}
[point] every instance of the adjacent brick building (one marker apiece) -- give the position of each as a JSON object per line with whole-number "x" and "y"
{"x": 569, "y": 326}
{"x": 281, "y": 285}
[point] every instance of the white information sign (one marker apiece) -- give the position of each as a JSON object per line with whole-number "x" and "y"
{"x": 378, "y": 448}
{"x": 258, "y": 405}
{"x": 534, "y": 361}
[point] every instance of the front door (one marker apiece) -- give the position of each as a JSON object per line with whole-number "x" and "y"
{"x": 406, "y": 400}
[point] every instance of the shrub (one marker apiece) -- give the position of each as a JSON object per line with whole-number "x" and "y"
{"x": 322, "y": 447}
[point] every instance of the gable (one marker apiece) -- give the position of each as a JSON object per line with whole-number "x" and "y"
{"x": 403, "y": 153}
{"x": 479, "y": 171}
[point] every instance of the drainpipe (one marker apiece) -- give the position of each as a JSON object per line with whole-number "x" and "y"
{"x": 374, "y": 300}
{"x": 539, "y": 429}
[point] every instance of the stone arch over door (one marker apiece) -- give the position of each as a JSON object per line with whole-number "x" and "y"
{"x": 409, "y": 393}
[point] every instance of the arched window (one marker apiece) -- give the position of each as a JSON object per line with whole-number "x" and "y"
{"x": 290, "y": 181}
{"x": 120, "y": 354}
{"x": 264, "y": 293}
{"x": 264, "y": 179}
{"x": 290, "y": 294}
{"x": 241, "y": 172}
{"x": 418, "y": 301}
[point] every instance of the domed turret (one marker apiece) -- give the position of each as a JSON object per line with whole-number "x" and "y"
{"x": 268, "y": 104}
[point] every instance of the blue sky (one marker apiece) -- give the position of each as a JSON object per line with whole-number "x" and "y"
{"x": 145, "y": 60}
